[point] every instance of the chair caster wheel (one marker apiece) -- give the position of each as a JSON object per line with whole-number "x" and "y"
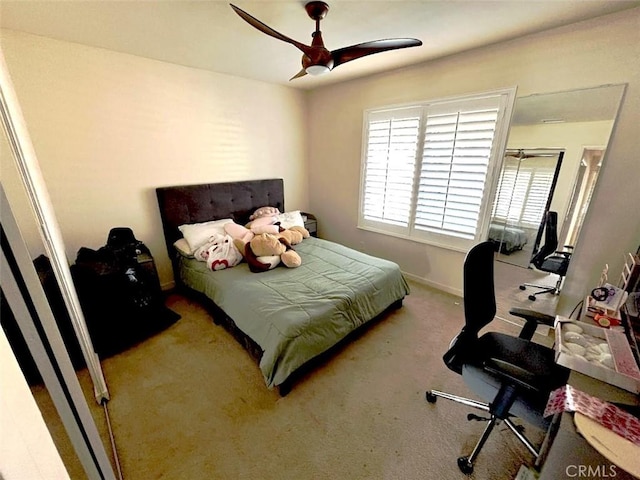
{"x": 431, "y": 398}
{"x": 522, "y": 287}
{"x": 532, "y": 298}
{"x": 465, "y": 465}
{"x": 477, "y": 418}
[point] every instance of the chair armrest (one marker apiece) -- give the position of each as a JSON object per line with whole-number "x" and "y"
{"x": 511, "y": 373}
{"x": 532, "y": 319}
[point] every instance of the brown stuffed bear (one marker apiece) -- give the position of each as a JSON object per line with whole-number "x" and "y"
{"x": 265, "y": 245}
{"x": 266, "y": 251}
{"x": 291, "y": 236}
{"x": 294, "y": 235}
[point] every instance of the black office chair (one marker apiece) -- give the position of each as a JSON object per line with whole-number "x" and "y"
{"x": 513, "y": 374}
{"x": 549, "y": 259}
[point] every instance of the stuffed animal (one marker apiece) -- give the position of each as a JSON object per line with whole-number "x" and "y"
{"x": 219, "y": 252}
{"x": 305, "y": 233}
{"x": 264, "y": 212}
{"x": 239, "y": 232}
{"x": 294, "y": 235}
{"x": 291, "y": 236}
{"x": 266, "y": 251}
{"x": 264, "y": 243}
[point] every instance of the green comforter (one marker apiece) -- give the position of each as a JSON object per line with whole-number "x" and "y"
{"x": 296, "y": 314}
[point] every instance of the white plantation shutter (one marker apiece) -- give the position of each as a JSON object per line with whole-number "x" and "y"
{"x": 506, "y": 186}
{"x": 523, "y": 191}
{"x": 455, "y": 161}
{"x": 537, "y": 195}
{"x": 390, "y": 165}
{"x": 426, "y": 168}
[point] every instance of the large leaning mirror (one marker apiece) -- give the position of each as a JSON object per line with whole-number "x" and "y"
{"x": 556, "y": 146}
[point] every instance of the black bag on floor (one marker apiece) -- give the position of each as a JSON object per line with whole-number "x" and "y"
{"x": 121, "y": 299}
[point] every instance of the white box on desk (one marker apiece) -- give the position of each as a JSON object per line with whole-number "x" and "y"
{"x": 582, "y": 365}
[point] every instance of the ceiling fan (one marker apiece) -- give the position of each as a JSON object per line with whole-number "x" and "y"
{"x": 316, "y": 59}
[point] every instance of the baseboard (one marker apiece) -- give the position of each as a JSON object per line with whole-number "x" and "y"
{"x": 445, "y": 288}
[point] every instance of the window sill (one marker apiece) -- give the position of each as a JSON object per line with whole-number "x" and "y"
{"x": 425, "y": 241}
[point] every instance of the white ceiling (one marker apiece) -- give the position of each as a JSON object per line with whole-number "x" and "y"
{"x": 209, "y": 35}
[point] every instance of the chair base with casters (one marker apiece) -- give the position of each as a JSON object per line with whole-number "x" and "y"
{"x": 506, "y": 398}
{"x": 466, "y": 463}
{"x": 512, "y": 376}
{"x": 554, "y": 290}
{"x": 550, "y": 260}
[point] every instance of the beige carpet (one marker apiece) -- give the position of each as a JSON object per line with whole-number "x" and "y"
{"x": 190, "y": 403}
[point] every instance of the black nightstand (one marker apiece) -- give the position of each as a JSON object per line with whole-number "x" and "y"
{"x": 310, "y": 223}
{"x": 145, "y": 260}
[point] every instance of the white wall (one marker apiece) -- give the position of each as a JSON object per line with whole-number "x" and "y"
{"x": 591, "y": 53}
{"x": 573, "y": 138}
{"x": 109, "y": 128}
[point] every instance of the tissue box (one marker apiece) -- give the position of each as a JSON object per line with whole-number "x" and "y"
{"x": 621, "y": 370}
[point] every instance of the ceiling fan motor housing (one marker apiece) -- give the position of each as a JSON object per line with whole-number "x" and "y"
{"x": 317, "y": 10}
{"x": 319, "y": 55}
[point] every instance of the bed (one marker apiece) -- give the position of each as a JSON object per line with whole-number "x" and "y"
{"x": 286, "y": 318}
{"x": 507, "y": 239}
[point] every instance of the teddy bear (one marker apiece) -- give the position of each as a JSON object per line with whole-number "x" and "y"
{"x": 264, "y": 243}
{"x": 265, "y": 252}
{"x": 240, "y": 232}
{"x": 292, "y": 235}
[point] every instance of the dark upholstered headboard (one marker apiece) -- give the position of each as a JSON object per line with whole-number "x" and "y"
{"x": 213, "y": 201}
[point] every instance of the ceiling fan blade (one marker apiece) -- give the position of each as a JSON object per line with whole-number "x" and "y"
{"x": 301, "y": 73}
{"x": 254, "y": 22}
{"x": 344, "y": 55}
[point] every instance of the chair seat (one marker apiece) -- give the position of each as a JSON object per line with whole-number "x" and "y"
{"x": 531, "y": 365}
{"x": 555, "y": 264}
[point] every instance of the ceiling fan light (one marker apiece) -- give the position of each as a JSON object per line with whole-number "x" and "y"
{"x": 317, "y": 70}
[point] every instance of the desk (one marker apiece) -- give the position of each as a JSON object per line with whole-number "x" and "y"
{"x": 571, "y": 455}
{"x": 613, "y": 447}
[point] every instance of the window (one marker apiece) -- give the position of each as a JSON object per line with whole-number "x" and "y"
{"x": 524, "y": 188}
{"x": 428, "y": 169}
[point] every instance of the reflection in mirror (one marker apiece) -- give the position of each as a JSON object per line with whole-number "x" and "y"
{"x": 52, "y": 376}
{"x": 556, "y": 146}
{"x": 525, "y": 189}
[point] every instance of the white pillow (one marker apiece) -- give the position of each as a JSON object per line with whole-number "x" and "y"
{"x": 183, "y": 248}
{"x": 290, "y": 219}
{"x": 197, "y": 234}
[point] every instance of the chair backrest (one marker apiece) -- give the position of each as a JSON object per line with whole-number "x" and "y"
{"x": 550, "y": 239}
{"x": 479, "y": 303}
{"x": 479, "y": 289}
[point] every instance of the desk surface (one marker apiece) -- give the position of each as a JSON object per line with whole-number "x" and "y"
{"x": 613, "y": 447}
{"x": 571, "y": 456}
{"x": 586, "y": 443}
